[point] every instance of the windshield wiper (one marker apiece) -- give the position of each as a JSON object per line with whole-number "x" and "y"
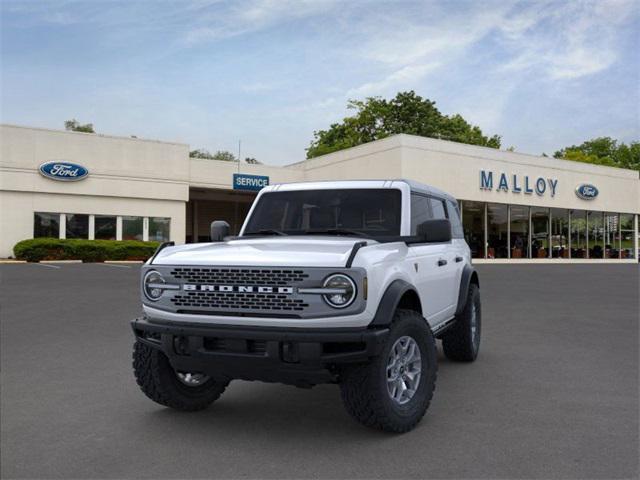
{"x": 337, "y": 231}
{"x": 266, "y": 231}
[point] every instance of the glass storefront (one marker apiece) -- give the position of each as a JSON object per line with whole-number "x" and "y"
{"x": 132, "y": 228}
{"x": 539, "y": 232}
{"x": 46, "y": 225}
{"x": 159, "y": 229}
{"x": 611, "y": 235}
{"x": 77, "y": 226}
{"x": 497, "y": 231}
{"x": 105, "y": 227}
{"x": 578, "y": 234}
{"x": 595, "y": 229}
{"x": 517, "y": 231}
{"x": 473, "y": 223}
{"x": 626, "y": 236}
{"x": 559, "y": 233}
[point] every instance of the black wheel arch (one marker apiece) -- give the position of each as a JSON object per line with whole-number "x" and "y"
{"x": 399, "y": 294}
{"x": 469, "y": 276}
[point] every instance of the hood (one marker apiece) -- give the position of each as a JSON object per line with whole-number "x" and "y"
{"x": 290, "y": 251}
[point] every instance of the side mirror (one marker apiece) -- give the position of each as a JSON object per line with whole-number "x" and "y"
{"x": 435, "y": 231}
{"x": 219, "y": 230}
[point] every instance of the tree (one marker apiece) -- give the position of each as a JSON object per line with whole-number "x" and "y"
{"x": 252, "y": 161}
{"x": 604, "y": 151}
{"x": 219, "y": 155}
{"x": 377, "y": 118}
{"x": 75, "y": 126}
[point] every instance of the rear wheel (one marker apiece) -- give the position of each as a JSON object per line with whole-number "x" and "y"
{"x": 394, "y": 390}
{"x": 188, "y": 391}
{"x": 462, "y": 342}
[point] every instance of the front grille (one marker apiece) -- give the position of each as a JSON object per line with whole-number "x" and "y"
{"x": 239, "y": 276}
{"x": 238, "y": 301}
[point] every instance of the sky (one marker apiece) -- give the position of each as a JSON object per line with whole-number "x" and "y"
{"x": 542, "y": 74}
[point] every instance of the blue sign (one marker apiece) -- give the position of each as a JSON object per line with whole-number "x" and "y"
{"x": 63, "y": 171}
{"x": 518, "y": 183}
{"x": 242, "y": 181}
{"x": 586, "y": 191}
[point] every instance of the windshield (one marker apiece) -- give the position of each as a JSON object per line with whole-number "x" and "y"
{"x": 358, "y": 212}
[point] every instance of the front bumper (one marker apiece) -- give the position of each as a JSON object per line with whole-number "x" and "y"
{"x": 294, "y": 356}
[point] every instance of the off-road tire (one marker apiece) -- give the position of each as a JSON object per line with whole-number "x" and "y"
{"x": 158, "y": 380}
{"x": 364, "y": 386}
{"x": 458, "y": 343}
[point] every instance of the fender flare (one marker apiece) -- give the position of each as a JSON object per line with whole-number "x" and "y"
{"x": 389, "y": 302}
{"x": 469, "y": 275}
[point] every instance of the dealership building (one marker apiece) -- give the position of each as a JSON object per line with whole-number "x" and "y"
{"x": 515, "y": 207}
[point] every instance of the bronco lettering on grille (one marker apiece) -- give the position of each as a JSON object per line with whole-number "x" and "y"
{"x": 237, "y": 289}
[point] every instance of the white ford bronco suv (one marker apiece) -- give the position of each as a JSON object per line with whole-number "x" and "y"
{"x": 347, "y": 282}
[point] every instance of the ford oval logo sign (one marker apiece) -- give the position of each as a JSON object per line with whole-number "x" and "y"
{"x": 64, "y": 171}
{"x": 586, "y": 191}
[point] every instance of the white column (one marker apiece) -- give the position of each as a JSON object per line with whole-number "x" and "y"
{"x": 118, "y": 228}
{"x": 145, "y": 229}
{"x": 635, "y": 237}
{"x": 92, "y": 227}
{"x": 63, "y": 225}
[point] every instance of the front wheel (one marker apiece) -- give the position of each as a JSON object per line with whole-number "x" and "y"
{"x": 393, "y": 391}
{"x": 158, "y": 380}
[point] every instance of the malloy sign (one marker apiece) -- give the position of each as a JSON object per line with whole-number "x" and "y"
{"x": 518, "y": 183}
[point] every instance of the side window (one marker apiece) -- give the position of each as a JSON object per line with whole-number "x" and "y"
{"x": 420, "y": 211}
{"x": 437, "y": 206}
{"x": 454, "y": 216}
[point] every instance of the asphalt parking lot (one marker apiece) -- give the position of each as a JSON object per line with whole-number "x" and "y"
{"x": 554, "y": 393}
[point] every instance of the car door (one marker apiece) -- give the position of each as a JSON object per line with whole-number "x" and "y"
{"x": 433, "y": 265}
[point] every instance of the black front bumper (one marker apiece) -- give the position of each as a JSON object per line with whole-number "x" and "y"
{"x": 297, "y": 356}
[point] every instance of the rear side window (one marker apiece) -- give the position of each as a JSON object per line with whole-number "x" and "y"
{"x": 454, "y": 217}
{"x": 438, "y": 208}
{"x": 420, "y": 211}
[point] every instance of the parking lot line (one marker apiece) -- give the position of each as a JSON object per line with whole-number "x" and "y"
{"x": 47, "y": 265}
{"x": 113, "y": 265}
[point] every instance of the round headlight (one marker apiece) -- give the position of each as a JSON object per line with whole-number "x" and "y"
{"x": 151, "y": 283}
{"x": 345, "y": 291}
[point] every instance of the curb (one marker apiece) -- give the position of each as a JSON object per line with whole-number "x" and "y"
{"x": 9, "y": 261}
{"x": 137, "y": 262}
{"x": 60, "y": 261}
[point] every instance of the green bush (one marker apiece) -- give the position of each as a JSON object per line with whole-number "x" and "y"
{"x": 37, "y": 249}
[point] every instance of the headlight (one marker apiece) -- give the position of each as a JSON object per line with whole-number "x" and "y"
{"x": 153, "y": 285}
{"x": 344, "y": 291}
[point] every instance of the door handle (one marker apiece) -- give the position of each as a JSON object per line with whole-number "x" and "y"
{"x": 442, "y": 262}
{"x": 459, "y": 259}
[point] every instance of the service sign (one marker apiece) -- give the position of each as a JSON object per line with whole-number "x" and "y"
{"x": 63, "y": 171}
{"x": 254, "y": 183}
{"x": 586, "y": 191}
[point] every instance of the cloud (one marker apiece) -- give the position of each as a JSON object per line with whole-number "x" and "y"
{"x": 400, "y": 79}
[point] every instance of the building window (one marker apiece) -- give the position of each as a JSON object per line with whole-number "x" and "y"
{"x": 539, "y": 232}
{"x": 611, "y": 235}
{"x": 46, "y": 225}
{"x": 105, "y": 227}
{"x": 473, "y": 224}
{"x": 559, "y": 233}
{"x": 519, "y": 231}
{"x": 77, "y": 226}
{"x": 132, "y": 228}
{"x": 626, "y": 236}
{"x": 159, "y": 228}
{"x": 595, "y": 237}
{"x": 420, "y": 211}
{"x": 497, "y": 227}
